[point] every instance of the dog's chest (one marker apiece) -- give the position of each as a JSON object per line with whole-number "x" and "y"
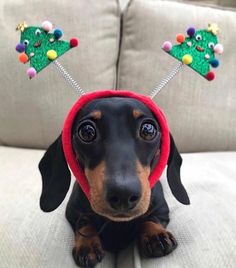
{"x": 117, "y": 235}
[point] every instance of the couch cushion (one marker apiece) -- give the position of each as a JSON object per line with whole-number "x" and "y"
{"x": 200, "y": 113}
{"x": 32, "y": 112}
{"x": 205, "y": 230}
{"x": 31, "y": 238}
{"x": 223, "y": 3}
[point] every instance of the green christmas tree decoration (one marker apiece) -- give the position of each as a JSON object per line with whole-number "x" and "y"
{"x": 197, "y": 50}
{"x": 41, "y": 45}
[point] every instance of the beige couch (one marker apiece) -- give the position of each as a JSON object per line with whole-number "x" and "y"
{"x": 119, "y": 49}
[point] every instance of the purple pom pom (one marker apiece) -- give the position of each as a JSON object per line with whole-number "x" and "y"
{"x": 191, "y": 31}
{"x": 20, "y": 48}
{"x": 31, "y": 72}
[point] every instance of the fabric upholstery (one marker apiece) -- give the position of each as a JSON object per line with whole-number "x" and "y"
{"x": 199, "y": 112}
{"x": 32, "y": 111}
{"x": 205, "y": 230}
{"x": 31, "y": 238}
{"x": 123, "y": 4}
{"x": 223, "y": 3}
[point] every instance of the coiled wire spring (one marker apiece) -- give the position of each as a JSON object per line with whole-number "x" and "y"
{"x": 68, "y": 77}
{"x": 166, "y": 80}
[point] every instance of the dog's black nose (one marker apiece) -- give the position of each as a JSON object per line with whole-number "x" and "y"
{"x": 123, "y": 196}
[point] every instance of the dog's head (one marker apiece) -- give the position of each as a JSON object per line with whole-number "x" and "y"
{"x": 116, "y": 142}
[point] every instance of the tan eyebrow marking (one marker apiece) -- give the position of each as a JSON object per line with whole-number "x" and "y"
{"x": 96, "y": 114}
{"x": 137, "y": 113}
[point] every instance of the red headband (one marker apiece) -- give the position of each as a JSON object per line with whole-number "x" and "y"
{"x": 85, "y": 99}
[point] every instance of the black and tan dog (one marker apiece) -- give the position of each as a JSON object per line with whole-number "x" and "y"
{"x": 116, "y": 141}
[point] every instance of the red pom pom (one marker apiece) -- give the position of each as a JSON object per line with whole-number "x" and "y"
{"x": 180, "y": 38}
{"x": 23, "y": 58}
{"x": 74, "y": 42}
{"x": 210, "y": 76}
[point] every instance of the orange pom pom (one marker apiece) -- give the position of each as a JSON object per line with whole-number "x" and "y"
{"x": 23, "y": 57}
{"x": 180, "y": 38}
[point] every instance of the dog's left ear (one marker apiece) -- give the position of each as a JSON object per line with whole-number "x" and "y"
{"x": 173, "y": 174}
{"x": 55, "y": 176}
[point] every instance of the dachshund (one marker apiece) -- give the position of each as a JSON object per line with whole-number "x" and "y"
{"x": 117, "y": 143}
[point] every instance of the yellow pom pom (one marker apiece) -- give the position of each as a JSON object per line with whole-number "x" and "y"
{"x": 187, "y": 59}
{"x": 52, "y": 54}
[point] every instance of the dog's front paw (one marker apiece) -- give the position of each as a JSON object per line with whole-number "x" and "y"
{"x": 87, "y": 252}
{"x": 155, "y": 240}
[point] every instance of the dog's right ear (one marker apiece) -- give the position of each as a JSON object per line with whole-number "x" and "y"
{"x": 55, "y": 176}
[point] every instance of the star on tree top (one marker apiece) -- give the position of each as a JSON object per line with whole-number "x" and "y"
{"x": 213, "y": 28}
{"x": 21, "y": 26}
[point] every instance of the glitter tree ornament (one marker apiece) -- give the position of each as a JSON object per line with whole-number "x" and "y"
{"x": 41, "y": 45}
{"x": 197, "y": 51}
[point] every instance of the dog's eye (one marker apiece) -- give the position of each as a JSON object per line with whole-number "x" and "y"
{"x": 87, "y": 132}
{"x": 148, "y": 131}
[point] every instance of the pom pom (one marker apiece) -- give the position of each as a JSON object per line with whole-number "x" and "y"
{"x": 191, "y": 31}
{"x": 23, "y": 58}
{"x": 31, "y": 72}
{"x": 58, "y": 33}
{"x": 218, "y": 48}
{"x": 47, "y": 25}
{"x": 167, "y": 46}
{"x": 187, "y": 59}
{"x": 189, "y": 43}
{"x": 180, "y": 38}
{"x": 74, "y": 42}
{"x": 214, "y": 63}
{"x": 210, "y": 76}
{"x": 20, "y": 47}
{"x": 52, "y": 54}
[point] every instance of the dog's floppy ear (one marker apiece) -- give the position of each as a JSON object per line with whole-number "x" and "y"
{"x": 55, "y": 176}
{"x": 173, "y": 174}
